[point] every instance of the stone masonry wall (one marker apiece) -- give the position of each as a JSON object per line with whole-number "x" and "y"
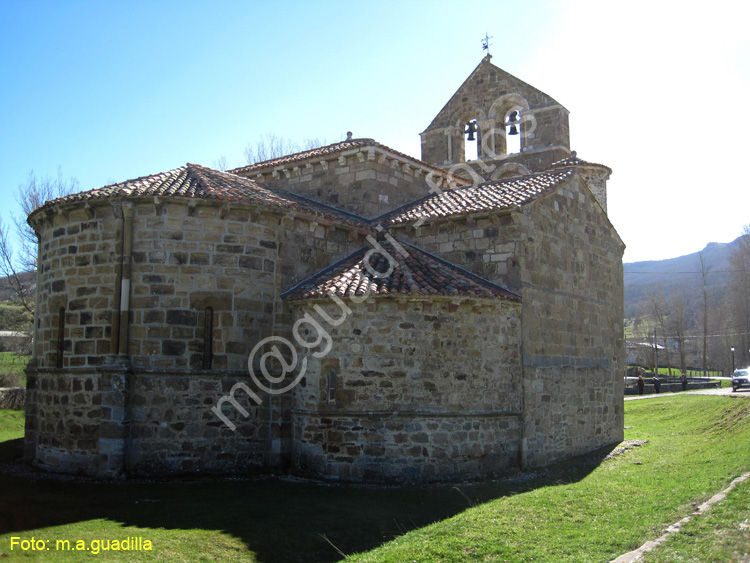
{"x": 367, "y": 182}
{"x": 174, "y": 430}
{"x": 565, "y": 259}
{"x": 424, "y": 389}
{"x": 186, "y": 257}
{"x": 77, "y": 272}
{"x": 573, "y": 343}
{"x": 63, "y": 420}
{"x": 189, "y": 257}
{"x": 108, "y": 422}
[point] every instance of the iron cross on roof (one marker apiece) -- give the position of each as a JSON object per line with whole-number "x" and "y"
{"x": 486, "y": 42}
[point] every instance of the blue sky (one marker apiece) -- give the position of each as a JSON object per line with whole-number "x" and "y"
{"x": 115, "y": 90}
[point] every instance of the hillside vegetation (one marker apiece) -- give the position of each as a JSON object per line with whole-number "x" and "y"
{"x": 701, "y": 299}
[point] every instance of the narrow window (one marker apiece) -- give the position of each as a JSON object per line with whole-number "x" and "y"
{"x": 331, "y": 387}
{"x": 60, "y": 336}
{"x": 208, "y": 338}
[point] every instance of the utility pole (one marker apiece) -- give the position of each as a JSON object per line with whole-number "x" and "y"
{"x": 704, "y": 274}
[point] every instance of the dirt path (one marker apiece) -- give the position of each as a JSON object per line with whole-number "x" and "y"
{"x": 637, "y": 555}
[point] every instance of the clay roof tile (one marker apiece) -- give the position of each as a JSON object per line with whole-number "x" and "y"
{"x": 199, "y": 182}
{"x": 417, "y": 273}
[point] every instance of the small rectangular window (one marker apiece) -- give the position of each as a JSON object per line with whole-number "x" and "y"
{"x": 208, "y": 338}
{"x": 332, "y": 387}
{"x": 60, "y": 336}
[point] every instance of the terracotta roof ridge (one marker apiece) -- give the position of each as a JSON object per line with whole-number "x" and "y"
{"x": 486, "y": 196}
{"x": 202, "y": 182}
{"x": 574, "y": 160}
{"x": 280, "y": 192}
{"x": 334, "y": 148}
{"x": 466, "y": 272}
{"x": 304, "y": 154}
{"x": 414, "y": 272}
{"x": 324, "y": 271}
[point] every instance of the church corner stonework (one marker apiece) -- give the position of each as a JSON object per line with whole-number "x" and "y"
{"x": 347, "y": 313}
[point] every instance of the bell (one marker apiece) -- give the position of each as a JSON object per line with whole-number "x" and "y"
{"x": 471, "y": 128}
{"x": 512, "y": 120}
{"x": 471, "y": 135}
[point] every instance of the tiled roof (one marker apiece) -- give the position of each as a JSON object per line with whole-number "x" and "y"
{"x": 330, "y": 151}
{"x": 573, "y": 160}
{"x": 200, "y": 182}
{"x": 489, "y": 196}
{"x": 319, "y": 152}
{"x": 417, "y": 273}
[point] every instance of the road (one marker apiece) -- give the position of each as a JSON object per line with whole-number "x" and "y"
{"x": 744, "y": 393}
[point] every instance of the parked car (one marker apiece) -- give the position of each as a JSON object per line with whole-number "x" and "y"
{"x": 740, "y": 378}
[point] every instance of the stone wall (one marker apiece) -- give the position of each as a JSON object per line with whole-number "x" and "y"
{"x": 109, "y": 422}
{"x": 77, "y": 276}
{"x": 367, "y": 181}
{"x": 186, "y": 258}
{"x": 421, "y": 389}
{"x": 140, "y": 406}
{"x": 573, "y": 345}
{"x": 174, "y": 430}
{"x": 63, "y": 416}
{"x": 565, "y": 259}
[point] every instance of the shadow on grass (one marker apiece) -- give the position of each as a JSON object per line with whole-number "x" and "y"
{"x": 279, "y": 520}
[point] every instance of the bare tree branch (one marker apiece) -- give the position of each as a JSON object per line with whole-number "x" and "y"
{"x": 31, "y": 195}
{"x": 221, "y": 163}
{"x": 16, "y": 260}
{"x": 271, "y": 146}
{"x": 9, "y": 271}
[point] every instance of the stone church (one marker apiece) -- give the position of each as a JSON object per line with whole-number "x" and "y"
{"x": 347, "y": 312}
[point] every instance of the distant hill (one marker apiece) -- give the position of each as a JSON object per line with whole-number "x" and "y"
{"x": 6, "y": 291}
{"x": 681, "y": 274}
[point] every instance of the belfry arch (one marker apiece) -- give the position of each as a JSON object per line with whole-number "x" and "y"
{"x": 515, "y": 122}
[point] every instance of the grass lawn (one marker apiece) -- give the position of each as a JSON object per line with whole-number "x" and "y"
{"x": 11, "y": 425}
{"x": 720, "y": 535}
{"x": 588, "y": 510}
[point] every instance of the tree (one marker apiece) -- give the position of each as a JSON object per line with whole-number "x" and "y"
{"x": 677, "y": 325}
{"x": 739, "y": 297}
{"x": 15, "y": 259}
{"x": 221, "y": 163}
{"x": 658, "y": 311}
{"x": 270, "y": 146}
{"x": 704, "y": 277}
